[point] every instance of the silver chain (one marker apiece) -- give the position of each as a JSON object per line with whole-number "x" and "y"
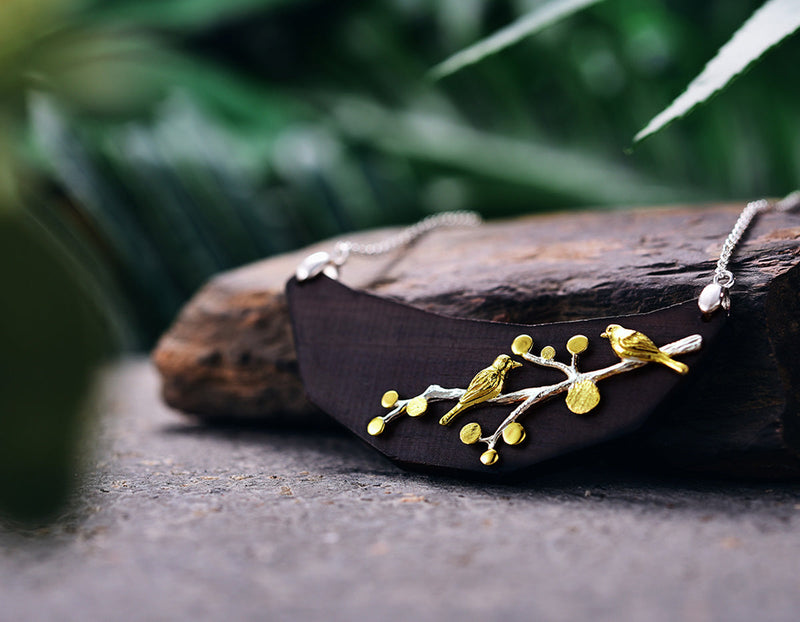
{"x": 329, "y": 263}
{"x": 713, "y": 296}
{"x": 722, "y": 276}
{"x": 716, "y": 294}
{"x": 409, "y": 234}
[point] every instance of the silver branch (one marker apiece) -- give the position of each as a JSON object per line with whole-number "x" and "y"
{"x": 525, "y": 398}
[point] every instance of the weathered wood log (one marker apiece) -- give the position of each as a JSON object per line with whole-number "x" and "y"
{"x": 230, "y": 355}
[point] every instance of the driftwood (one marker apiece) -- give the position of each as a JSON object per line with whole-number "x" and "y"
{"x": 230, "y": 355}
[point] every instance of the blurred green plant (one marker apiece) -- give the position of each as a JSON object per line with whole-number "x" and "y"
{"x": 57, "y": 319}
{"x": 285, "y": 122}
{"x": 768, "y": 26}
{"x": 153, "y": 143}
{"x": 541, "y": 16}
{"x": 53, "y": 339}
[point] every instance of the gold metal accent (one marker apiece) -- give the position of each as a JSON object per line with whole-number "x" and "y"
{"x": 489, "y": 457}
{"x": 514, "y": 433}
{"x": 582, "y": 397}
{"x": 632, "y": 345}
{"x": 470, "y": 433}
{"x": 417, "y": 406}
{"x": 389, "y": 399}
{"x": 577, "y": 344}
{"x": 486, "y": 385}
{"x": 522, "y": 345}
{"x": 376, "y": 426}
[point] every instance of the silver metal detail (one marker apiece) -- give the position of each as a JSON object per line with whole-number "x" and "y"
{"x": 716, "y": 294}
{"x": 329, "y": 263}
{"x": 789, "y": 202}
{"x": 314, "y": 265}
{"x": 711, "y": 298}
{"x": 526, "y": 398}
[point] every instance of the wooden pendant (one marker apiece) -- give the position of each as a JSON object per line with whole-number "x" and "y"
{"x": 456, "y": 395}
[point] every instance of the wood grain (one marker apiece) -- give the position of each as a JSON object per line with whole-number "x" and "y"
{"x": 353, "y": 346}
{"x": 229, "y": 354}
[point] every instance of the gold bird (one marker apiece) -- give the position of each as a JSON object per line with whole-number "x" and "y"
{"x": 633, "y": 345}
{"x": 486, "y": 385}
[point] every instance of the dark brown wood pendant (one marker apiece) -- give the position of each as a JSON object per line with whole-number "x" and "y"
{"x": 353, "y": 347}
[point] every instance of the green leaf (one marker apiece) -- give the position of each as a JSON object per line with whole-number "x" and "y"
{"x": 180, "y": 14}
{"x": 105, "y": 205}
{"x": 768, "y": 26}
{"x": 545, "y": 14}
{"x": 53, "y": 339}
{"x": 232, "y": 95}
{"x": 569, "y": 173}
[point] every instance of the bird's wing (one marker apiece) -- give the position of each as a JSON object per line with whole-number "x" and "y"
{"x": 482, "y": 385}
{"x": 638, "y": 343}
{"x": 623, "y": 333}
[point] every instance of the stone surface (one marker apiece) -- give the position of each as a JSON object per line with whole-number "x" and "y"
{"x": 230, "y": 353}
{"x": 177, "y": 520}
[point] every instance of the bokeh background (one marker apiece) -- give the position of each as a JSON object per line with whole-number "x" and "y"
{"x": 147, "y": 144}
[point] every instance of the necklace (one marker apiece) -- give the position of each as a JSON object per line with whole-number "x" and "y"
{"x": 402, "y": 378}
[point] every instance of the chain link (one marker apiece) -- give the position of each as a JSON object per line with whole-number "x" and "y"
{"x": 789, "y": 202}
{"x": 716, "y": 294}
{"x": 329, "y": 264}
{"x": 722, "y": 276}
{"x": 409, "y": 234}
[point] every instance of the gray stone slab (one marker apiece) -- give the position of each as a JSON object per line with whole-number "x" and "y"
{"x": 179, "y": 521}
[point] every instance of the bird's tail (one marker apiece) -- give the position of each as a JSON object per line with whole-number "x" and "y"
{"x": 677, "y": 366}
{"x": 450, "y": 415}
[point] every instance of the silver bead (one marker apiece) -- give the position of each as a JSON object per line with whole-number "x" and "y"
{"x": 316, "y": 264}
{"x": 711, "y": 298}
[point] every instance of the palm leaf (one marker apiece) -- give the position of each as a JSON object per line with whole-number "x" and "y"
{"x": 574, "y": 175}
{"x": 545, "y": 14}
{"x": 768, "y": 26}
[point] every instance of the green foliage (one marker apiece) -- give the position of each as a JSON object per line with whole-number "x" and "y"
{"x": 541, "y": 16}
{"x": 153, "y": 143}
{"x": 180, "y": 14}
{"x": 53, "y": 337}
{"x": 767, "y": 27}
{"x": 266, "y": 125}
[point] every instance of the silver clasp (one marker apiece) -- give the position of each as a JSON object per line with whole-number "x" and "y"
{"x": 323, "y": 262}
{"x": 715, "y": 295}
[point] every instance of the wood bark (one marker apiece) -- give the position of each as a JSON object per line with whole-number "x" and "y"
{"x": 229, "y": 354}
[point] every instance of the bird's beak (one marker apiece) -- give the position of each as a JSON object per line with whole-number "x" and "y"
{"x": 515, "y": 364}
{"x": 604, "y": 335}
